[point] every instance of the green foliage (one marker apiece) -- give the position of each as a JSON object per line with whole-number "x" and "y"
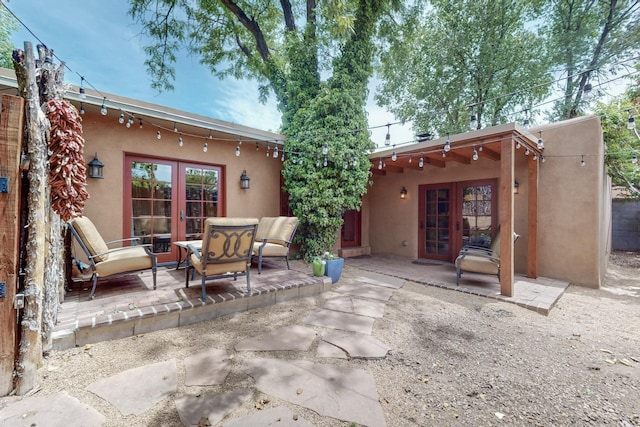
{"x": 438, "y": 61}
{"x": 8, "y": 25}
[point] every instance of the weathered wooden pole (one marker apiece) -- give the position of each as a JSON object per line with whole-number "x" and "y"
{"x": 11, "y": 132}
{"x": 30, "y": 348}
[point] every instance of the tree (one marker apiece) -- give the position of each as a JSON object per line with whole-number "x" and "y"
{"x": 443, "y": 63}
{"x": 8, "y": 25}
{"x": 623, "y": 144}
{"x": 315, "y": 58}
{"x": 588, "y": 40}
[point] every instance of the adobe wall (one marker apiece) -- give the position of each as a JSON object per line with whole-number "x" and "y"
{"x": 111, "y": 140}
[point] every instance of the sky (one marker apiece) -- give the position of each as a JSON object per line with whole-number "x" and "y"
{"x": 99, "y": 41}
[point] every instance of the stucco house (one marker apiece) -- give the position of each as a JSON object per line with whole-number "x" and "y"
{"x": 164, "y": 170}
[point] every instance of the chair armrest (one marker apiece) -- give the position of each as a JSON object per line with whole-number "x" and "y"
{"x": 131, "y": 239}
{"x": 194, "y": 250}
{"x": 468, "y": 248}
{"x": 486, "y": 255}
{"x": 146, "y": 248}
{"x": 267, "y": 239}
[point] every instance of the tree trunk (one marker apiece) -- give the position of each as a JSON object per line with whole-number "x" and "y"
{"x": 30, "y": 349}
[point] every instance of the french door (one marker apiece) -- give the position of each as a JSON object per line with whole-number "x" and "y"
{"x": 350, "y": 235}
{"x": 454, "y": 214}
{"x": 167, "y": 201}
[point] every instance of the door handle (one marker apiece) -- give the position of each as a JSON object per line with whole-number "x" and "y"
{"x": 181, "y": 215}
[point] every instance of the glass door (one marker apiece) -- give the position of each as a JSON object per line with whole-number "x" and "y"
{"x": 200, "y": 200}
{"x": 478, "y": 207}
{"x": 434, "y": 240}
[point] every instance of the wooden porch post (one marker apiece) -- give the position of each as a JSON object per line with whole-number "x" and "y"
{"x": 11, "y": 130}
{"x": 506, "y": 216}
{"x": 532, "y": 218}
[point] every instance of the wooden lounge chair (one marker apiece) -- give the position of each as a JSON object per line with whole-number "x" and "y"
{"x": 226, "y": 250}
{"x": 107, "y": 262}
{"x": 477, "y": 259}
{"x": 274, "y": 238}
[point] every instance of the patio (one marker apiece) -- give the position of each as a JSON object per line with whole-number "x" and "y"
{"x": 127, "y": 305}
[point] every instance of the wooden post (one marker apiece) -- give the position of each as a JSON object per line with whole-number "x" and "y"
{"x": 506, "y": 216}
{"x": 30, "y": 349}
{"x": 11, "y": 133}
{"x": 532, "y": 218}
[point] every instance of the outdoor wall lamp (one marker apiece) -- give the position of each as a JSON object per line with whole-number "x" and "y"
{"x": 515, "y": 187}
{"x": 403, "y": 193}
{"x": 95, "y": 168}
{"x": 244, "y": 180}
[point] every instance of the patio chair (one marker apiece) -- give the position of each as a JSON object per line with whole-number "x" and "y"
{"x": 478, "y": 259}
{"x": 226, "y": 251}
{"x": 274, "y": 238}
{"x": 105, "y": 262}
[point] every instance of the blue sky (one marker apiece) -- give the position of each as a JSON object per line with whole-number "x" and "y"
{"x": 99, "y": 41}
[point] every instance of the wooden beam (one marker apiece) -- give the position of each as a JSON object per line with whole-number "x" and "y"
{"x": 533, "y": 167}
{"x": 393, "y": 168}
{"x": 459, "y": 158}
{"x": 507, "y": 167}
{"x": 488, "y": 152}
{"x": 11, "y": 130}
{"x": 435, "y": 162}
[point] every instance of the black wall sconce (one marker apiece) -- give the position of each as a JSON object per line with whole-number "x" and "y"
{"x": 403, "y": 193}
{"x": 244, "y": 180}
{"x": 95, "y": 168}
{"x": 515, "y": 187}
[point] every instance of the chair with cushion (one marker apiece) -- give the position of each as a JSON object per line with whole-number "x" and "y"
{"x": 274, "y": 238}
{"x": 478, "y": 259}
{"x": 107, "y": 262}
{"x": 226, "y": 250}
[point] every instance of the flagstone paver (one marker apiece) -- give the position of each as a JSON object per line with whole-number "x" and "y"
{"x": 365, "y": 290}
{"x": 382, "y": 280}
{"x": 213, "y": 406}
{"x": 280, "y": 416}
{"x": 356, "y": 345}
{"x": 330, "y": 351}
{"x": 344, "y": 393}
{"x": 209, "y": 367}
{"x": 289, "y": 338}
{"x": 136, "y": 390}
{"x": 57, "y": 410}
{"x": 356, "y": 306}
{"x": 338, "y": 320}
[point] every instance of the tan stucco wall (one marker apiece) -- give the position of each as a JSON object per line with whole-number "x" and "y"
{"x": 110, "y": 140}
{"x": 573, "y": 212}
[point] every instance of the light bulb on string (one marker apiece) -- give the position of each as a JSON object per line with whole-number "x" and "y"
{"x": 542, "y": 159}
{"x": 526, "y": 151}
{"x": 324, "y": 163}
{"x": 237, "y": 151}
{"x": 410, "y": 158}
{"x": 421, "y": 162}
{"x": 175, "y": 128}
{"x": 81, "y": 108}
{"x": 517, "y": 145}
{"x": 325, "y": 149}
{"x": 210, "y": 135}
{"x": 444, "y": 154}
{"x": 540, "y": 142}
{"x": 631, "y": 123}
{"x": 129, "y": 121}
{"x": 380, "y": 164}
{"x": 158, "y": 134}
{"x": 587, "y": 91}
{"x": 387, "y": 139}
{"x": 180, "y": 142}
{"x": 140, "y": 123}
{"x": 582, "y": 162}
{"x": 205, "y": 147}
{"x": 282, "y": 158}
{"x": 447, "y": 145}
{"x": 475, "y": 153}
{"x": 473, "y": 122}
{"x": 275, "y": 152}
{"x": 480, "y": 148}
{"x": 355, "y": 161}
{"x": 103, "y": 109}
{"x": 268, "y": 150}
{"x": 634, "y": 160}
{"x": 535, "y": 156}
{"x": 83, "y": 95}
{"x": 121, "y": 118}
{"x": 394, "y": 156}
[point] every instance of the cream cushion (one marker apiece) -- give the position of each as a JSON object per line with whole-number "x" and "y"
{"x": 128, "y": 259}
{"x": 278, "y": 230}
{"x": 91, "y": 238}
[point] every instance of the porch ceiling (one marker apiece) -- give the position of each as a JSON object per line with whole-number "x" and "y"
{"x": 486, "y": 141}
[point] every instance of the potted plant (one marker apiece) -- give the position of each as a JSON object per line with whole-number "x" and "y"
{"x": 333, "y": 266}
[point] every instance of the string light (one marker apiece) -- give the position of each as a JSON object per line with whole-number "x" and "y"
{"x": 324, "y": 163}
{"x": 526, "y": 151}
{"x": 421, "y": 162}
{"x": 380, "y": 164}
{"x": 81, "y": 108}
{"x": 275, "y": 152}
{"x": 480, "y": 147}
{"x": 129, "y": 121}
{"x": 205, "y": 147}
{"x": 237, "y": 151}
{"x": 634, "y": 160}
{"x": 444, "y": 154}
{"x": 387, "y": 139}
{"x": 83, "y": 95}
{"x": 447, "y": 145}
{"x": 582, "y": 162}
{"x": 180, "y": 142}
{"x": 325, "y": 149}
{"x": 140, "y": 123}
{"x": 473, "y": 122}
{"x": 175, "y": 128}
{"x": 586, "y": 91}
{"x": 517, "y": 145}
{"x": 540, "y": 142}
{"x": 631, "y": 123}
{"x": 535, "y": 156}
{"x": 210, "y": 135}
{"x": 103, "y": 109}
{"x": 121, "y": 118}
{"x": 475, "y": 153}
{"x": 158, "y": 135}
{"x": 394, "y": 156}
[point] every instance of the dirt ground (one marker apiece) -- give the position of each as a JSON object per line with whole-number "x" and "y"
{"x": 456, "y": 359}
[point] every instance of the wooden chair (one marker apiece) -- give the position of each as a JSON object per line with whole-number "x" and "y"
{"x": 107, "y": 262}
{"x": 274, "y": 237}
{"x": 226, "y": 251}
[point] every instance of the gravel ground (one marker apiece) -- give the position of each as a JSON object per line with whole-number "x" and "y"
{"x": 456, "y": 359}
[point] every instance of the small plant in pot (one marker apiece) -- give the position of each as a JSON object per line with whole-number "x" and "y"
{"x": 332, "y": 265}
